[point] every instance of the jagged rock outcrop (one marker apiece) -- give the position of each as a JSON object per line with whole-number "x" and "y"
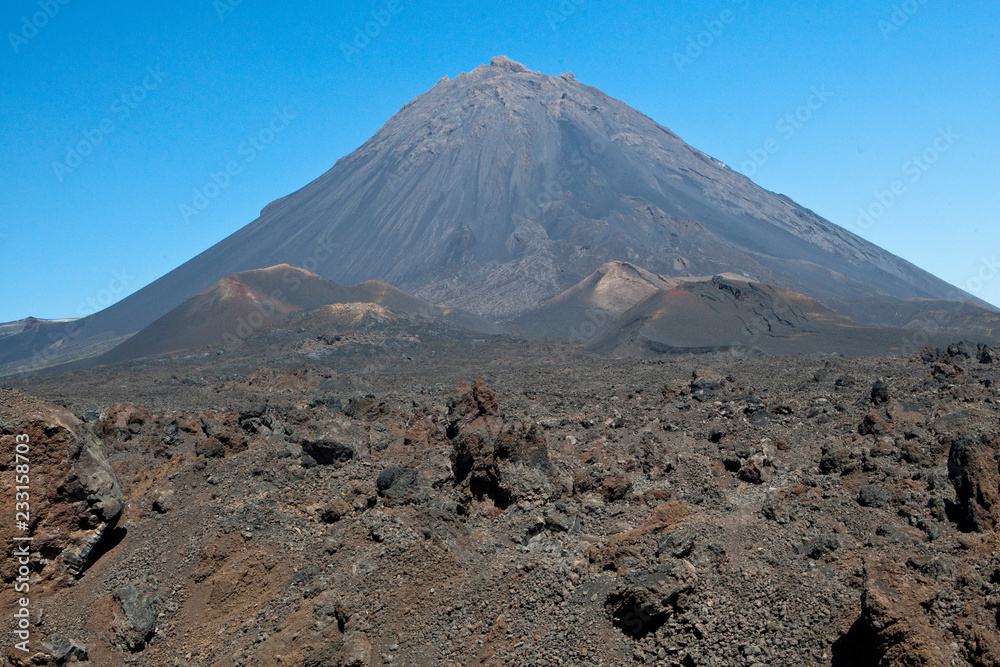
{"x": 974, "y": 469}
{"x": 496, "y": 462}
{"x": 644, "y": 601}
{"x": 75, "y": 496}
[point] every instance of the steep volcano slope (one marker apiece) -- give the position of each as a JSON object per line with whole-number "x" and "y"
{"x": 727, "y": 314}
{"x": 241, "y": 303}
{"x": 503, "y": 187}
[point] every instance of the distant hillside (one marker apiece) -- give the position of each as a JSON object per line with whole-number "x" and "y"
{"x": 728, "y": 314}
{"x": 241, "y": 303}
{"x": 596, "y": 300}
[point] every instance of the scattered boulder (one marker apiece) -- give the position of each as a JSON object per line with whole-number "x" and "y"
{"x": 688, "y": 544}
{"x": 987, "y": 355}
{"x": 505, "y": 465}
{"x": 760, "y": 418}
{"x": 356, "y": 652}
{"x": 961, "y": 349}
{"x": 335, "y": 510}
{"x": 135, "y": 620}
{"x": 756, "y": 470}
{"x": 366, "y": 407}
{"x": 880, "y": 393}
{"x": 664, "y": 517}
{"x": 230, "y": 440}
{"x": 326, "y": 451}
{"x": 122, "y": 421}
{"x": 946, "y": 370}
{"x": 65, "y": 650}
{"x": 705, "y": 379}
{"x": 475, "y": 409}
{"x": 210, "y": 448}
{"x": 164, "y": 501}
{"x": 718, "y": 433}
{"x": 401, "y": 485}
{"x": 872, "y": 424}
{"x": 974, "y": 470}
{"x": 820, "y": 546}
{"x": 670, "y": 393}
{"x": 836, "y": 459}
{"x": 255, "y": 420}
{"x": 645, "y": 601}
{"x": 395, "y": 478}
{"x": 615, "y": 487}
{"x": 521, "y": 464}
{"x": 873, "y": 495}
{"x": 212, "y": 428}
{"x": 929, "y": 355}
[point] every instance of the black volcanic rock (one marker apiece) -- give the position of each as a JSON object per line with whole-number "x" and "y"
{"x": 326, "y": 451}
{"x": 880, "y": 393}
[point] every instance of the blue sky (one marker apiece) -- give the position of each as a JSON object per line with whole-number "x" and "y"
{"x": 885, "y": 107}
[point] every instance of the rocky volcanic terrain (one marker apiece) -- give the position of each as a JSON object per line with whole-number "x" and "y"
{"x": 271, "y": 468}
{"x": 247, "y": 464}
{"x": 351, "y": 489}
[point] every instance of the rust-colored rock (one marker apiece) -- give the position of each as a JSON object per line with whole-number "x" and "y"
{"x": 75, "y": 497}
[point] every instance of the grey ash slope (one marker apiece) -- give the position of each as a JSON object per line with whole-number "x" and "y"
{"x": 504, "y": 187}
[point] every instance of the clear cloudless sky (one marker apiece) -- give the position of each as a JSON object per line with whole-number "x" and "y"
{"x": 109, "y": 222}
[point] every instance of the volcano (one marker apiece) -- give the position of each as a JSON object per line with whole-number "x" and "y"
{"x": 504, "y": 187}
